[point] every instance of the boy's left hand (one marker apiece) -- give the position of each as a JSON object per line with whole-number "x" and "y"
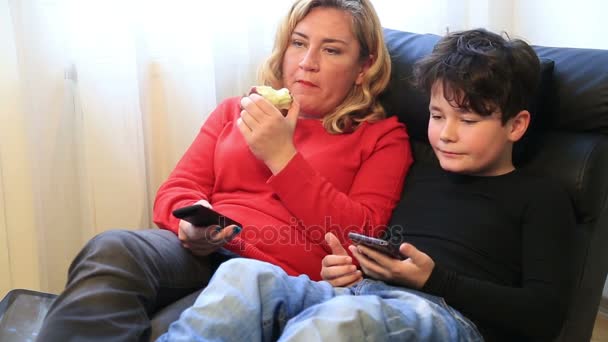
{"x": 337, "y": 267}
{"x": 412, "y": 272}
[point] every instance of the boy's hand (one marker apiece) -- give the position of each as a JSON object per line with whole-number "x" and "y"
{"x": 338, "y": 268}
{"x": 412, "y": 272}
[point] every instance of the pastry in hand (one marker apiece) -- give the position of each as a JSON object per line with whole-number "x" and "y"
{"x": 279, "y": 98}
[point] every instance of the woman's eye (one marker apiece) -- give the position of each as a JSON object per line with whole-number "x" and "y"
{"x": 435, "y": 116}
{"x": 469, "y": 122}
{"x": 297, "y": 43}
{"x": 332, "y": 51}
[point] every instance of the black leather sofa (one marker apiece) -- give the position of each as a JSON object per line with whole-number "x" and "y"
{"x": 567, "y": 141}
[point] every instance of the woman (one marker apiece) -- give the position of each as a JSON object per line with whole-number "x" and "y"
{"x": 332, "y": 164}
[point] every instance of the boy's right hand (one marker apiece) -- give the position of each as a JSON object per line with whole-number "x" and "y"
{"x": 338, "y": 268}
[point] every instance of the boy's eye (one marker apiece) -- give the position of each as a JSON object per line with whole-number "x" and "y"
{"x": 435, "y": 116}
{"x": 470, "y": 119}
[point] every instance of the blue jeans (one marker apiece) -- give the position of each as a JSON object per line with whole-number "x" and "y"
{"x": 249, "y": 300}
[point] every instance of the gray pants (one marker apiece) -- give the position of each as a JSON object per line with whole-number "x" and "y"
{"x": 119, "y": 280}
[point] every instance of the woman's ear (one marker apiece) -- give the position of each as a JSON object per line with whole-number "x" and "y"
{"x": 518, "y": 125}
{"x": 367, "y": 63}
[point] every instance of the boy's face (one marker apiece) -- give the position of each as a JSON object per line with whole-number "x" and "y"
{"x": 468, "y": 143}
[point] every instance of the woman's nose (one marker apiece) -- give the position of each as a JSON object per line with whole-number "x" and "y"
{"x": 310, "y": 61}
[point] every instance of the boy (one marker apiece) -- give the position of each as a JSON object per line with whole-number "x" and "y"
{"x": 485, "y": 258}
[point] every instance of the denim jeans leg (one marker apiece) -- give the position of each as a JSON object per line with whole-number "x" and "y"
{"x": 247, "y": 300}
{"x": 118, "y": 280}
{"x": 429, "y": 315}
{"x": 378, "y": 316}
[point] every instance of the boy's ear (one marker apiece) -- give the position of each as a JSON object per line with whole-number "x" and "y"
{"x": 518, "y": 125}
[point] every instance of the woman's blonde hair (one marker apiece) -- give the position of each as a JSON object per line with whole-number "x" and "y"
{"x": 361, "y": 103}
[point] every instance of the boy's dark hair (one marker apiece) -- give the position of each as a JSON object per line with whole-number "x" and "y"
{"x": 482, "y": 72}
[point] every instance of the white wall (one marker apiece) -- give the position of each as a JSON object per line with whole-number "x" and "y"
{"x": 567, "y": 23}
{"x": 436, "y": 16}
{"x": 413, "y": 15}
{"x": 563, "y": 23}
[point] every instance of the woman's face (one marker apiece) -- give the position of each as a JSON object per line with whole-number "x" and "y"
{"x": 321, "y": 64}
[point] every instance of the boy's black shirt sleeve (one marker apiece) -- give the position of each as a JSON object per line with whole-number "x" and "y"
{"x": 501, "y": 246}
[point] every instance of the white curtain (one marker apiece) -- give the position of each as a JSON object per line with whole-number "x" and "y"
{"x": 439, "y": 16}
{"x": 98, "y": 101}
{"x": 100, "y": 98}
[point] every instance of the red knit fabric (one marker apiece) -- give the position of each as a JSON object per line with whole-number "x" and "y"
{"x": 336, "y": 182}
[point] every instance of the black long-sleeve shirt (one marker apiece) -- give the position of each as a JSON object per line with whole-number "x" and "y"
{"x": 501, "y": 246}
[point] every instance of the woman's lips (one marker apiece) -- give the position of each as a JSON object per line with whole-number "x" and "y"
{"x": 306, "y": 83}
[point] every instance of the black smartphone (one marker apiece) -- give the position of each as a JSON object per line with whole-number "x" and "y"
{"x": 377, "y": 244}
{"x": 201, "y": 216}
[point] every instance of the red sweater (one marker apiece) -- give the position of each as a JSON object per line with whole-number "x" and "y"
{"x": 336, "y": 182}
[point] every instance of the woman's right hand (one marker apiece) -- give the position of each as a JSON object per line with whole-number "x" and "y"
{"x": 267, "y": 132}
{"x": 338, "y": 268}
{"x": 203, "y": 241}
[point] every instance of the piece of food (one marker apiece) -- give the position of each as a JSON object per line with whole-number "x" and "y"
{"x": 279, "y": 98}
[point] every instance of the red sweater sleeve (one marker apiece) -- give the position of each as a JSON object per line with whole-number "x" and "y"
{"x": 366, "y": 208}
{"x": 193, "y": 178}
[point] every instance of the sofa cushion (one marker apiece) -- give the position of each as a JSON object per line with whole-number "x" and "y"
{"x": 401, "y": 98}
{"x": 162, "y": 320}
{"x": 581, "y": 94}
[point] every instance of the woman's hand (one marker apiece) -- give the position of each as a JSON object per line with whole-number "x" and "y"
{"x": 337, "y": 268}
{"x": 412, "y": 272}
{"x": 267, "y": 132}
{"x": 203, "y": 241}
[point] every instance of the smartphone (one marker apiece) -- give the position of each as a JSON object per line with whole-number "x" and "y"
{"x": 201, "y": 216}
{"x": 377, "y": 244}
